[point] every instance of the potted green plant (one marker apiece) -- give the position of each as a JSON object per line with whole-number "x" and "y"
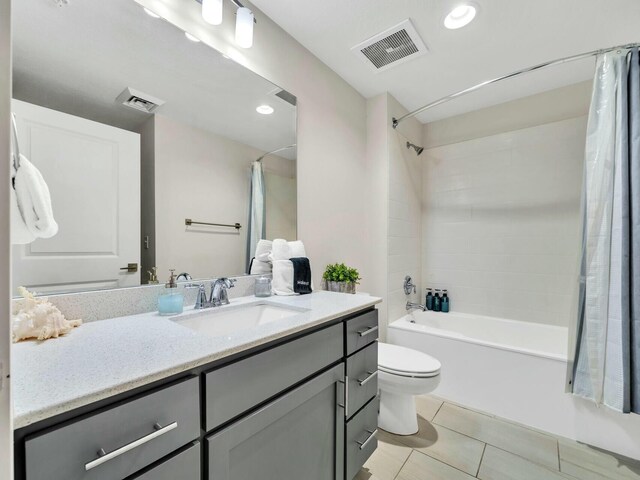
{"x": 340, "y": 278}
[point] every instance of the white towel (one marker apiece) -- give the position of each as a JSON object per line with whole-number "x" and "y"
{"x": 296, "y": 249}
{"x": 20, "y": 234}
{"x": 282, "y": 283}
{"x": 280, "y": 250}
{"x": 34, "y": 200}
{"x": 261, "y": 264}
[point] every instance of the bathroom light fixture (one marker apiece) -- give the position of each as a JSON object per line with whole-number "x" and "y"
{"x": 460, "y": 16}
{"x": 265, "y": 109}
{"x": 212, "y": 11}
{"x": 244, "y": 27}
{"x": 191, "y": 37}
{"x": 150, "y": 13}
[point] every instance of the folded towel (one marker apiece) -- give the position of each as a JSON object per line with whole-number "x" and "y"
{"x": 301, "y": 275}
{"x": 20, "y": 234}
{"x": 34, "y": 200}
{"x": 282, "y": 282}
{"x": 260, "y": 264}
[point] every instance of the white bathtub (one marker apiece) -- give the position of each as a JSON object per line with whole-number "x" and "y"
{"x": 515, "y": 370}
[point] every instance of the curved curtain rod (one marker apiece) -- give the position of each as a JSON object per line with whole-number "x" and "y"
{"x": 277, "y": 150}
{"x": 397, "y": 121}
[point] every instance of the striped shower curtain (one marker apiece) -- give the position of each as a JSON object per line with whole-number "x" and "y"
{"x": 606, "y": 366}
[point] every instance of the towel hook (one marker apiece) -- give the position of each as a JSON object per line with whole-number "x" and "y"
{"x": 14, "y": 143}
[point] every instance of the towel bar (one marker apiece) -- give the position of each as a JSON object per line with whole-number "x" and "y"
{"x": 189, "y": 222}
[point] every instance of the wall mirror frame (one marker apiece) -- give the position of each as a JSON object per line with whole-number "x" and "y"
{"x": 149, "y": 143}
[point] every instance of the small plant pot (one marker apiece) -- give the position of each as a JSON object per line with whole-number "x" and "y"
{"x": 341, "y": 287}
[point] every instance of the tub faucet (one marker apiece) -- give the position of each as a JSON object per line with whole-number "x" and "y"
{"x": 415, "y": 306}
{"x": 219, "y": 294}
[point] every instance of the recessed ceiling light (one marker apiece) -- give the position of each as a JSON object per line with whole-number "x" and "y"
{"x": 150, "y": 13}
{"x": 460, "y": 16}
{"x": 265, "y": 109}
{"x": 191, "y": 37}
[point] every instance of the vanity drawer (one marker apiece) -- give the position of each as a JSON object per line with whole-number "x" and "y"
{"x": 236, "y": 388}
{"x": 361, "y": 331}
{"x": 361, "y": 438}
{"x": 184, "y": 466}
{"x": 127, "y": 433}
{"x": 362, "y": 370}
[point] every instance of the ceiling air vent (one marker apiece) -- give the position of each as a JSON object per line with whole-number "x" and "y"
{"x": 287, "y": 97}
{"x": 392, "y": 47}
{"x": 140, "y": 101}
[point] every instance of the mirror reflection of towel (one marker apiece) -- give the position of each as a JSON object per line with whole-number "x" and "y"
{"x": 301, "y": 275}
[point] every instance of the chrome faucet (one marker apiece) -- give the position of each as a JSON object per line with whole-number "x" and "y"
{"x": 184, "y": 275}
{"x": 409, "y": 285}
{"x": 201, "y": 298}
{"x": 219, "y": 291}
{"x": 415, "y": 306}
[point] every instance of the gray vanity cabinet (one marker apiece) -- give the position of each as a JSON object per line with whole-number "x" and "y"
{"x": 304, "y": 407}
{"x": 298, "y": 436}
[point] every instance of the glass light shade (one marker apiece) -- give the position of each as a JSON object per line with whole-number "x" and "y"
{"x": 460, "y": 16}
{"x": 212, "y": 11}
{"x": 244, "y": 28}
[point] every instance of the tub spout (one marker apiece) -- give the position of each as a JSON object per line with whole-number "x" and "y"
{"x": 415, "y": 306}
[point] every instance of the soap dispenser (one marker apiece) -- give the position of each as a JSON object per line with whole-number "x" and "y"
{"x": 171, "y": 301}
{"x": 428, "y": 302}
{"x": 444, "y": 301}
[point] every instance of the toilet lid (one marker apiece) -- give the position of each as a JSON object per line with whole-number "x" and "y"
{"x": 406, "y": 361}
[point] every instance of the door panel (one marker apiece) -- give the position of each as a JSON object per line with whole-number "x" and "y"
{"x": 93, "y": 174}
{"x": 305, "y": 427}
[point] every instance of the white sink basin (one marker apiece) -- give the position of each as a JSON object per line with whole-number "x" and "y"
{"x": 221, "y": 321}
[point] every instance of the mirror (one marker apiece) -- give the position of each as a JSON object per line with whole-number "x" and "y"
{"x": 146, "y": 140}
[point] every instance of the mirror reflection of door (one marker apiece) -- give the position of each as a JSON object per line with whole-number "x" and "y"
{"x": 93, "y": 173}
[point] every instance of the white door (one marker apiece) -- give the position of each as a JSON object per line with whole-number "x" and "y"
{"x": 93, "y": 173}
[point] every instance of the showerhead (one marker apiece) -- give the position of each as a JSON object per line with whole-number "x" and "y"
{"x": 418, "y": 149}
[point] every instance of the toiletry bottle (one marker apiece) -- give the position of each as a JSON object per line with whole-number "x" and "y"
{"x": 153, "y": 276}
{"x": 428, "y": 301}
{"x": 171, "y": 301}
{"x": 437, "y": 301}
{"x": 445, "y": 302}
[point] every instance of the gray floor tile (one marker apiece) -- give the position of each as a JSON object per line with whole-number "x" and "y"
{"x": 386, "y": 461}
{"x": 578, "y": 457}
{"x": 500, "y": 465}
{"x": 428, "y": 406}
{"x": 532, "y": 445}
{"x": 423, "y": 467}
{"x": 452, "y": 448}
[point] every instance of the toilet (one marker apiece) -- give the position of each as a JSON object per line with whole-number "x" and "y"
{"x": 402, "y": 374}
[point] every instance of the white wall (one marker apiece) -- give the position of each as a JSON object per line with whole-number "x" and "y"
{"x": 501, "y": 221}
{"x": 395, "y": 202}
{"x": 405, "y": 202}
{"x": 6, "y": 429}
{"x": 206, "y": 177}
{"x": 332, "y": 164}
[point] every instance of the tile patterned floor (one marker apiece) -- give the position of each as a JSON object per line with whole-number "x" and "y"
{"x": 456, "y": 443}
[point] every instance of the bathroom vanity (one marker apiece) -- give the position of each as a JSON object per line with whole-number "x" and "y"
{"x": 293, "y": 399}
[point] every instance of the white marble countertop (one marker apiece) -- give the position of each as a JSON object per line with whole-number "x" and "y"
{"x": 107, "y": 357}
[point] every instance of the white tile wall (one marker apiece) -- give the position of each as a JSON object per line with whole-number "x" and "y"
{"x": 500, "y": 221}
{"x": 404, "y": 231}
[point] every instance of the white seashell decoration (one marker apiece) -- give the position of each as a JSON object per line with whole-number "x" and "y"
{"x": 39, "y": 318}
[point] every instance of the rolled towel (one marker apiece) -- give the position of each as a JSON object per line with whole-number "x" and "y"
{"x": 282, "y": 282}
{"x": 20, "y": 234}
{"x": 296, "y": 249}
{"x": 280, "y": 250}
{"x": 34, "y": 200}
{"x": 263, "y": 249}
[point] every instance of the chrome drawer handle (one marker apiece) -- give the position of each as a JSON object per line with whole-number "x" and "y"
{"x": 105, "y": 457}
{"x": 372, "y": 435}
{"x": 369, "y": 330}
{"x": 371, "y": 376}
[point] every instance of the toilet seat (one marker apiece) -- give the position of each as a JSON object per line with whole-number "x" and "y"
{"x": 406, "y": 362}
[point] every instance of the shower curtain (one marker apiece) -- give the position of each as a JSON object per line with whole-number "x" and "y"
{"x": 257, "y": 212}
{"x": 607, "y": 358}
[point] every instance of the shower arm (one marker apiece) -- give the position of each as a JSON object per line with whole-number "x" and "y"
{"x": 397, "y": 121}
